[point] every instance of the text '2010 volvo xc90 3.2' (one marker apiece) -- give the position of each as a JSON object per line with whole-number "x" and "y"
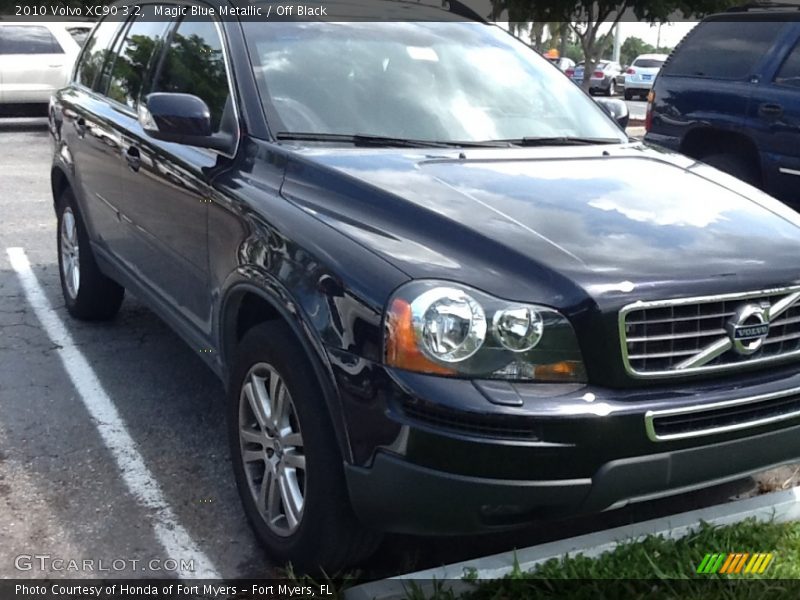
{"x": 446, "y": 293}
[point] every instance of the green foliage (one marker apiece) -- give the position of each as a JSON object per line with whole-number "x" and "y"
{"x": 634, "y": 46}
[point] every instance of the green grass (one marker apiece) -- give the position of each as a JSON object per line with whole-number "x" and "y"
{"x": 652, "y": 569}
{"x": 656, "y": 568}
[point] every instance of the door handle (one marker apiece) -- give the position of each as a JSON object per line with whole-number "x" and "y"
{"x": 80, "y": 126}
{"x": 134, "y": 158}
{"x": 770, "y": 110}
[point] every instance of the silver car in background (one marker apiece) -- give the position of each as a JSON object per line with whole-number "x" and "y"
{"x": 603, "y": 79}
{"x": 36, "y": 59}
{"x": 642, "y": 73}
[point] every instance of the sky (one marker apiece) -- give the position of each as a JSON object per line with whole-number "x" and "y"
{"x": 671, "y": 33}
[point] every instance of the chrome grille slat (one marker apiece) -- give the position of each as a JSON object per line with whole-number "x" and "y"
{"x": 662, "y": 355}
{"x": 781, "y": 339}
{"x": 694, "y": 318}
{"x": 675, "y": 337}
{"x": 680, "y": 336}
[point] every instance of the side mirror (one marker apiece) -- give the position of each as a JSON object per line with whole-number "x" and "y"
{"x": 616, "y": 108}
{"x": 181, "y": 119}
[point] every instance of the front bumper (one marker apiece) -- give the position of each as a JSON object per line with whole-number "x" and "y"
{"x": 639, "y": 84}
{"x": 395, "y": 495}
{"x": 447, "y": 456}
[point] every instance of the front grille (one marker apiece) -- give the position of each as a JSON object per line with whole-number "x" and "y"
{"x": 675, "y": 337}
{"x": 483, "y": 425}
{"x": 673, "y": 424}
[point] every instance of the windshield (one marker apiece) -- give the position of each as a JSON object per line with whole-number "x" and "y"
{"x": 440, "y": 81}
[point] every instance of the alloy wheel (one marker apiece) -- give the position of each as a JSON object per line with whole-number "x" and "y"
{"x": 271, "y": 446}
{"x": 70, "y": 253}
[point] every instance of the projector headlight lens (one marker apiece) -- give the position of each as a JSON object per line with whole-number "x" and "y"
{"x": 519, "y": 328}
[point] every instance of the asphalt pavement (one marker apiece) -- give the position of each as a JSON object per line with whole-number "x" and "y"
{"x": 69, "y": 491}
{"x": 637, "y": 109}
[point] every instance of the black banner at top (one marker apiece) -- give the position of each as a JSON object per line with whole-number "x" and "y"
{"x": 575, "y": 11}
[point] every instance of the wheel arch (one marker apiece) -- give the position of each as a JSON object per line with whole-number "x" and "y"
{"x": 59, "y": 181}
{"x": 704, "y": 141}
{"x": 246, "y": 305}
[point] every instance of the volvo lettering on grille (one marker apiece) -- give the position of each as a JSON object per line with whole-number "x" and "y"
{"x": 748, "y": 329}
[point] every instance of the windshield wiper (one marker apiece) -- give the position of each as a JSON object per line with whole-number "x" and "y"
{"x": 562, "y": 141}
{"x": 361, "y": 139}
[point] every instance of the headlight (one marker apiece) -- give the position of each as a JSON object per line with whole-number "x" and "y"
{"x": 449, "y": 324}
{"x": 438, "y": 328}
{"x": 519, "y": 328}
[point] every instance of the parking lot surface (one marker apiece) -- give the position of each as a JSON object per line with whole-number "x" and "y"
{"x": 123, "y": 457}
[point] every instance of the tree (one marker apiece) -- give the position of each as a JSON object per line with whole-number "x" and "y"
{"x": 587, "y": 17}
{"x": 633, "y": 47}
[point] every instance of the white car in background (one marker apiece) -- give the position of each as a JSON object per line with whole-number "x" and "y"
{"x": 642, "y": 73}
{"x": 36, "y": 59}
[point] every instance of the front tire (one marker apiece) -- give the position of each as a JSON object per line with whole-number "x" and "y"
{"x": 286, "y": 459}
{"x": 88, "y": 294}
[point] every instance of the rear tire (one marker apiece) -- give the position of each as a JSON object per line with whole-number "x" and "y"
{"x": 735, "y": 165}
{"x": 628, "y": 95}
{"x": 292, "y": 484}
{"x": 88, "y": 294}
{"x": 612, "y": 88}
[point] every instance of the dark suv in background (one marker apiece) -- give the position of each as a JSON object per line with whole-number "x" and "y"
{"x": 730, "y": 95}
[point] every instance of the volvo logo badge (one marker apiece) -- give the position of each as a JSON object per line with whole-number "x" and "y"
{"x": 748, "y": 328}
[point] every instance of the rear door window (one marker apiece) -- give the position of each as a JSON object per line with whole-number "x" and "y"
{"x": 140, "y": 44}
{"x": 28, "y": 39}
{"x": 789, "y": 73}
{"x": 724, "y": 49}
{"x": 96, "y": 52}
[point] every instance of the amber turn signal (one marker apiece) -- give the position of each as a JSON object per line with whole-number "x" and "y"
{"x": 402, "y": 350}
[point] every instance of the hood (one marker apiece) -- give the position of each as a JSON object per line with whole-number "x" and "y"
{"x": 608, "y": 220}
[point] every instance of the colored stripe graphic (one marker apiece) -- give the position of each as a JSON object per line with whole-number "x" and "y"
{"x": 735, "y": 563}
{"x": 729, "y": 562}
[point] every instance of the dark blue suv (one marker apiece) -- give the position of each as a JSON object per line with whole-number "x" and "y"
{"x": 730, "y": 95}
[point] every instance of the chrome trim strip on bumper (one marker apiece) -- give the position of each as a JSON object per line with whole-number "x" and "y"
{"x": 793, "y": 294}
{"x": 651, "y": 415}
{"x": 786, "y": 171}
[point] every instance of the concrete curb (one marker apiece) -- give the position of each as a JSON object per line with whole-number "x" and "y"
{"x": 778, "y": 506}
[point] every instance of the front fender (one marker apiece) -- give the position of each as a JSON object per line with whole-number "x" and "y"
{"x": 251, "y": 279}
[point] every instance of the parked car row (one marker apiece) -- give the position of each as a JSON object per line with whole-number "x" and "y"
{"x": 610, "y": 78}
{"x": 729, "y": 95}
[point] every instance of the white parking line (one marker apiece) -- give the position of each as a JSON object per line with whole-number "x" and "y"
{"x": 137, "y": 477}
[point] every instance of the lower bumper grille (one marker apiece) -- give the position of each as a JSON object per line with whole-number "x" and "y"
{"x": 722, "y": 417}
{"x": 483, "y": 425}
